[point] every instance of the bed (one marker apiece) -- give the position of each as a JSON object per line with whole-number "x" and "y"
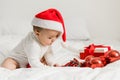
{"x": 109, "y": 72}
{"x": 9, "y": 40}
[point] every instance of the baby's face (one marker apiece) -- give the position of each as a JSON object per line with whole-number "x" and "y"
{"x": 47, "y": 37}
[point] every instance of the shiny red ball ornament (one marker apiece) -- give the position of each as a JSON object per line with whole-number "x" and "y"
{"x": 112, "y": 55}
{"x": 96, "y": 62}
{"x": 103, "y": 59}
{"x": 89, "y": 58}
{"x": 87, "y": 61}
{"x": 85, "y": 64}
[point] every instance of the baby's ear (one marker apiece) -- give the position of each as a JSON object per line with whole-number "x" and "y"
{"x": 37, "y": 32}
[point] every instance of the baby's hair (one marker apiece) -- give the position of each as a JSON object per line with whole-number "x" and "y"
{"x": 37, "y": 28}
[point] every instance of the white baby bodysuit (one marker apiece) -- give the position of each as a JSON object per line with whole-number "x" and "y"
{"x": 29, "y": 50}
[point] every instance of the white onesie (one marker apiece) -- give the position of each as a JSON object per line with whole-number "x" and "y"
{"x": 29, "y": 50}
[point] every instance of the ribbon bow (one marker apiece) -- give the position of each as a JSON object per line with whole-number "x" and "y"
{"x": 91, "y": 48}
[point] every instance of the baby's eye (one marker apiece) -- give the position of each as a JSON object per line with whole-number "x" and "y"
{"x": 50, "y": 38}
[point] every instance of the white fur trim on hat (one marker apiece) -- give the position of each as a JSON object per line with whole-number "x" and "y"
{"x": 48, "y": 24}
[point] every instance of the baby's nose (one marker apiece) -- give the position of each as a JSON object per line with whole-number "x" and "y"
{"x": 53, "y": 40}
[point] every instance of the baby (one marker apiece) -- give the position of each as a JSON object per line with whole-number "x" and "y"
{"x": 48, "y": 26}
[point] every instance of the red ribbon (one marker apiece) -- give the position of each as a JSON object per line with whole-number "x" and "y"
{"x": 91, "y": 48}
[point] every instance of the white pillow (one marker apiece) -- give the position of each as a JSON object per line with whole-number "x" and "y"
{"x": 76, "y": 29}
{"x": 15, "y": 27}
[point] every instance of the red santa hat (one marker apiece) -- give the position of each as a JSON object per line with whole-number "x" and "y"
{"x": 50, "y": 19}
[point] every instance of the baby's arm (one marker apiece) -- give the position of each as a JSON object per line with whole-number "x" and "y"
{"x": 35, "y": 62}
{"x": 34, "y": 55}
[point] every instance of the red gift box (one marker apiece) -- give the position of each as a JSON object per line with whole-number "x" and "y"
{"x": 95, "y": 50}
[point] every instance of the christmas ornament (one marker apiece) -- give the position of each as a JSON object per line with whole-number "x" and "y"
{"x": 112, "y": 55}
{"x": 96, "y": 62}
{"x": 89, "y": 58}
{"x": 103, "y": 59}
{"x": 73, "y": 63}
{"x": 87, "y": 61}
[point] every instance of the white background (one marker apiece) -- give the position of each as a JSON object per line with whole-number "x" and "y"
{"x": 102, "y": 16}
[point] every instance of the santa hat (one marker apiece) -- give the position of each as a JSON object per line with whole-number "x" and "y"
{"x": 50, "y": 19}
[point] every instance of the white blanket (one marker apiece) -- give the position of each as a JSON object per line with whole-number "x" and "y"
{"x": 110, "y": 72}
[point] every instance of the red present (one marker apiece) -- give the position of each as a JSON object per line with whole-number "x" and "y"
{"x": 95, "y": 50}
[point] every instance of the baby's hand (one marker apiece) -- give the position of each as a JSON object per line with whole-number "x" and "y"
{"x": 56, "y": 65}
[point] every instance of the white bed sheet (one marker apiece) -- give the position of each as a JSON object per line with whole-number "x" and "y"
{"x": 109, "y": 72}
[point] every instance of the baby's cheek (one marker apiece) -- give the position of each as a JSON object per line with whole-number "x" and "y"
{"x": 48, "y": 42}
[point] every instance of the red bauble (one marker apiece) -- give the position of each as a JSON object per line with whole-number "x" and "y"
{"x": 112, "y": 55}
{"x": 73, "y": 63}
{"x": 89, "y": 58}
{"x": 87, "y": 61}
{"x": 85, "y": 64}
{"x": 103, "y": 59}
{"x": 96, "y": 62}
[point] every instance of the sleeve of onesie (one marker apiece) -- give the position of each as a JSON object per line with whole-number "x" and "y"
{"x": 33, "y": 52}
